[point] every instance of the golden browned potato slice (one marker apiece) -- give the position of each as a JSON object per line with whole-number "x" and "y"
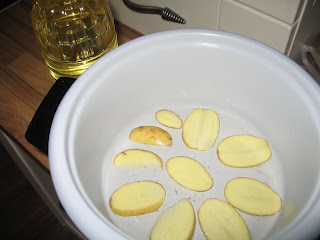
{"x": 137, "y": 158}
{"x": 169, "y": 119}
{"x": 252, "y": 196}
{"x": 201, "y": 129}
{"x": 151, "y": 135}
{"x": 189, "y": 173}
{"x": 137, "y": 198}
{"x": 176, "y": 223}
{"x": 243, "y": 151}
{"x": 220, "y": 221}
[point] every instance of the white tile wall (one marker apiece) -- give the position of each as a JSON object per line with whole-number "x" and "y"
{"x": 285, "y": 10}
{"x": 273, "y": 22}
{"x": 241, "y": 19}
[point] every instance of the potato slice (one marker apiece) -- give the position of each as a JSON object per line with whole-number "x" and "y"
{"x": 137, "y": 158}
{"x": 169, "y": 119}
{"x": 201, "y": 129}
{"x": 137, "y": 198}
{"x": 243, "y": 151}
{"x": 252, "y": 196}
{"x": 189, "y": 173}
{"x": 177, "y": 222}
{"x": 151, "y": 135}
{"x": 219, "y": 220}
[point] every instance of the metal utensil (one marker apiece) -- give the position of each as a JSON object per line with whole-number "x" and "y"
{"x": 166, "y": 13}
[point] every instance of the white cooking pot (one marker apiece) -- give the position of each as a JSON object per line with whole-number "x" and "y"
{"x": 253, "y": 88}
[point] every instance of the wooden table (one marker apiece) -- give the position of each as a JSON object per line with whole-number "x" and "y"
{"x": 24, "y": 77}
{"x": 24, "y": 82}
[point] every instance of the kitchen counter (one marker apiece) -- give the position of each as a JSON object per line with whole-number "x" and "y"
{"x": 24, "y": 82}
{"x": 24, "y": 77}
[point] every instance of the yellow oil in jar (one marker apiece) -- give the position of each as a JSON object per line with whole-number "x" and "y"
{"x": 73, "y": 34}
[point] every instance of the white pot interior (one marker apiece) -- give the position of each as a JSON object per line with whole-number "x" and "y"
{"x": 253, "y": 89}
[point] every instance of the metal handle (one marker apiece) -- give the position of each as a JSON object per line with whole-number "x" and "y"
{"x": 166, "y": 13}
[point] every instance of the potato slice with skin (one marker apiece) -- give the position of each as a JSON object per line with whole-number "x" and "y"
{"x": 201, "y": 129}
{"x": 137, "y": 198}
{"x": 220, "y": 221}
{"x": 137, "y": 158}
{"x": 151, "y": 135}
{"x": 169, "y": 118}
{"x": 252, "y": 196}
{"x": 189, "y": 173}
{"x": 243, "y": 151}
{"x": 177, "y": 222}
